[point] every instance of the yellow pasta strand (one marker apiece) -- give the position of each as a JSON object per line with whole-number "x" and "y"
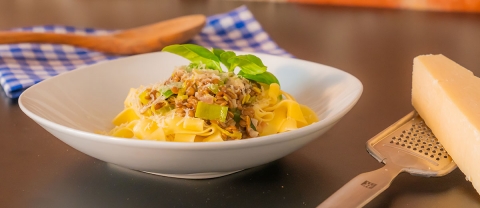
{"x": 208, "y": 131}
{"x": 179, "y": 137}
{"x": 144, "y": 128}
{"x": 274, "y": 92}
{"x": 176, "y": 125}
{"x": 193, "y": 124}
{"x": 288, "y": 125}
{"x": 131, "y": 124}
{"x": 272, "y": 127}
{"x": 215, "y": 137}
{"x": 309, "y": 115}
{"x": 158, "y": 135}
{"x": 122, "y": 132}
{"x": 262, "y": 115}
{"x": 292, "y": 108}
{"x": 294, "y": 111}
{"x": 127, "y": 115}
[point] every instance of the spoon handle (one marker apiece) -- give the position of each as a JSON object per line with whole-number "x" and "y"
{"x": 142, "y": 39}
{"x": 93, "y": 42}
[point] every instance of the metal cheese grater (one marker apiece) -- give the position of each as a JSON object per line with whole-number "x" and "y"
{"x": 406, "y": 146}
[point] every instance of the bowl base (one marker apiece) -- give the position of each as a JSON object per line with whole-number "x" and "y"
{"x": 195, "y": 175}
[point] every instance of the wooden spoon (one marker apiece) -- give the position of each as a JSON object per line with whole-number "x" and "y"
{"x": 132, "y": 41}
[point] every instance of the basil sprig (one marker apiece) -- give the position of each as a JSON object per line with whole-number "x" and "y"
{"x": 251, "y": 67}
{"x": 196, "y": 54}
{"x": 265, "y": 77}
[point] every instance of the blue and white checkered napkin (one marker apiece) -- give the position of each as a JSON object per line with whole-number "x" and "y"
{"x": 23, "y": 65}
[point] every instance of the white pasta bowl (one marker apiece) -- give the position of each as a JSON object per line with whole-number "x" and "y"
{"x": 74, "y": 105}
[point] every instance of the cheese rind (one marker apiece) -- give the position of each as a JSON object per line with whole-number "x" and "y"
{"x": 447, "y": 97}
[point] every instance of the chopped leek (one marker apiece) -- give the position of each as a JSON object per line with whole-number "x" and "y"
{"x": 214, "y": 88}
{"x": 165, "y": 109}
{"x": 211, "y": 111}
{"x": 167, "y": 93}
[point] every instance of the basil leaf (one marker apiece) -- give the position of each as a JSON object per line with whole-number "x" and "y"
{"x": 196, "y": 54}
{"x": 217, "y": 52}
{"x": 249, "y": 64}
{"x": 224, "y": 56}
{"x": 265, "y": 77}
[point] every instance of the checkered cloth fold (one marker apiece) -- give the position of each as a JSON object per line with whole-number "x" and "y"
{"x": 23, "y": 65}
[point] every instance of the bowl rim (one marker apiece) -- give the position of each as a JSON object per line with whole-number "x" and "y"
{"x": 235, "y": 144}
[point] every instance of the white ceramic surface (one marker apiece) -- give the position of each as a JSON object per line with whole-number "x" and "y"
{"x": 73, "y": 105}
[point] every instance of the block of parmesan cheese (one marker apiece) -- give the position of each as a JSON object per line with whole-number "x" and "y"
{"x": 447, "y": 97}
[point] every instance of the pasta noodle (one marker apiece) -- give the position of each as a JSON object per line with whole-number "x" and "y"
{"x": 198, "y": 104}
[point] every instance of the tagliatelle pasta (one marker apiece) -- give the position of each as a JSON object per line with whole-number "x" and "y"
{"x": 199, "y": 103}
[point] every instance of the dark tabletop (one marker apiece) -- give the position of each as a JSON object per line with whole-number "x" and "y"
{"x": 375, "y": 45}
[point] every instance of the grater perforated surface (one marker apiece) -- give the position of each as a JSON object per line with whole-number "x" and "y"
{"x": 420, "y": 138}
{"x": 411, "y": 143}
